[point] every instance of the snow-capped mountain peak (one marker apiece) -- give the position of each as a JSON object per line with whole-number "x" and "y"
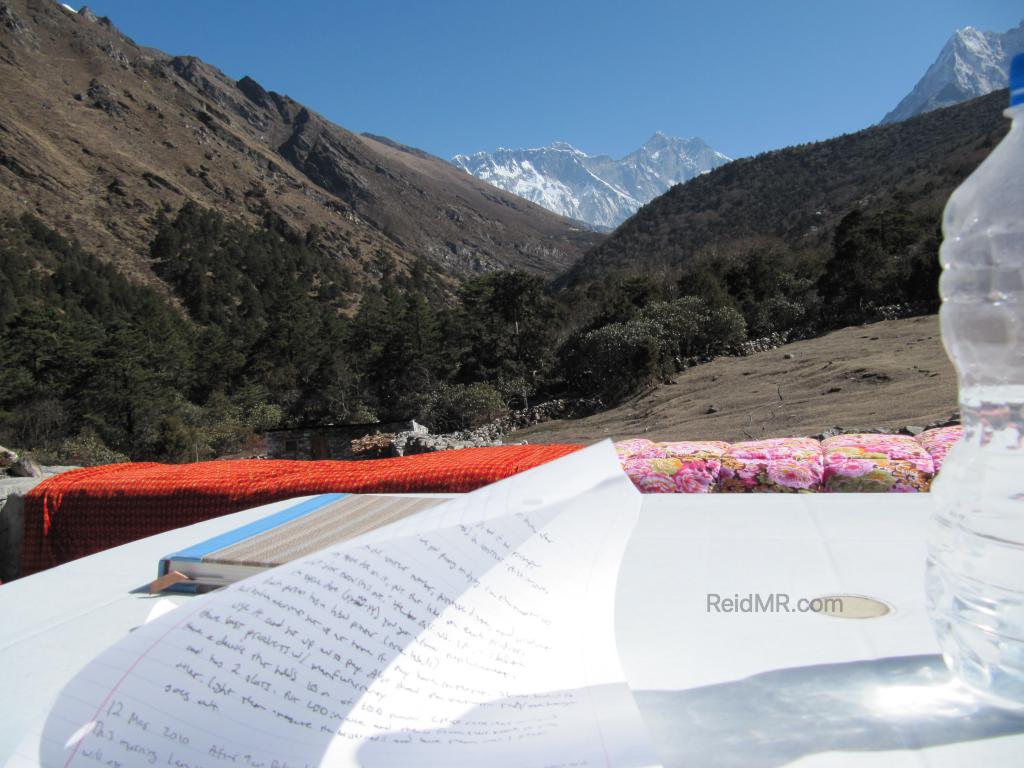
{"x": 595, "y": 189}
{"x": 970, "y": 64}
{"x": 563, "y": 146}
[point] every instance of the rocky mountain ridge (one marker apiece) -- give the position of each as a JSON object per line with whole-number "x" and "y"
{"x": 99, "y": 135}
{"x": 596, "y": 189}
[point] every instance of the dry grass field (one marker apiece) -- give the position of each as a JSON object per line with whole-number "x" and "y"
{"x": 884, "y": 375}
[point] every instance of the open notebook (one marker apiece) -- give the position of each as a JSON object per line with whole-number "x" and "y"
{"x": 296, "y": 531}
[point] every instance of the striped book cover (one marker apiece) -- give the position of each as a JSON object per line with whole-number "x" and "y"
{"x": 283, "y": 536}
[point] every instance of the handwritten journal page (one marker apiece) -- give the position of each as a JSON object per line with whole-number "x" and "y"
{"x": 478, "y": 633}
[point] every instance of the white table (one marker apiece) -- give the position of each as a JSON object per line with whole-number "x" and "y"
{"x": 755, "y": 690}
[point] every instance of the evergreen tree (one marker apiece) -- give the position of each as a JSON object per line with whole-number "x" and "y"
{"x": 509, "y": 328}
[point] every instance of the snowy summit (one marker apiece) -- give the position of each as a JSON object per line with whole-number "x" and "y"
{"x": 971, "y": 64}
{"x": 596, "y": 189}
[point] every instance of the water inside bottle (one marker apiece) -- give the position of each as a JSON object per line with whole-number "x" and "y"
{"x": 975, "y": 569}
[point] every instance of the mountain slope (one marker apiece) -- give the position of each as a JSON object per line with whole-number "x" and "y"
{"x": 596, "y": 189}
{"x": 884, "y": 375}
{"x": 972, "y": 63}
{"x": 98, "y": 135}
{"x": 793, "y": 198}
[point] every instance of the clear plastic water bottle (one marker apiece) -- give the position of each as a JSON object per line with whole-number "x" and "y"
{"x": 975, "y": 571}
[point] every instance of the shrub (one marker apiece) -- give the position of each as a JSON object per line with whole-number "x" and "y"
{"x": 723, "y": 331}
{"x": 86, "y": 449}
{"x": 453, "y": 407}
{"x": 688, "y": 327}
{"x": 614, "y": 360}
{"x": 617, "y": 359}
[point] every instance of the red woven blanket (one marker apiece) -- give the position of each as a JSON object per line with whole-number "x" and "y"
{"x": 89, "y": 510}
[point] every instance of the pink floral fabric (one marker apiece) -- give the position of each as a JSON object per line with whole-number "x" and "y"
{"x": 635, "y": 448}
{"x": 938, "y": 442}
{"x": 876, "y": 464}
{"x": 677, "y": 467}
{"x": 779, "y": 465}
{"x": 845, "y": 463}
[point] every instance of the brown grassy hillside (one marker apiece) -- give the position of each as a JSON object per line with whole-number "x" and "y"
{"x": 98, "y": 134}
{"x": 889, "y": 374}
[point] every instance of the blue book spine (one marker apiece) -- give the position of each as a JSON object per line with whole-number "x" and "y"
{"x": 197, "y": 552}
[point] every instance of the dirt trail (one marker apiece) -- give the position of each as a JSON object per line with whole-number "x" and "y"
{"x": 889, "y": 374}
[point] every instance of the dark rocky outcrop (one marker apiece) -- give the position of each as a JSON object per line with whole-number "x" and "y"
{"x": 10, "y": 21}
{"x": 102, "y": 97}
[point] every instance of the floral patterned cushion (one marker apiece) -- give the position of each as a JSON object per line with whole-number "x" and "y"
{"x": 865, "y": 463}
{"x": 876, "y": 464}
{"x": 678, "y": 467}
{"x": 938, "y": 442}
{"x": 780, "y": 465}
{"x": 637, "y": 447}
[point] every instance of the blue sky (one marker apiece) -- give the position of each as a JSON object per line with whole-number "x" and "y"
{"x": 460, "y": 76}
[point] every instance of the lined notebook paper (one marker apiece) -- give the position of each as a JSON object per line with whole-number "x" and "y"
{"x": 480, "y": 632}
